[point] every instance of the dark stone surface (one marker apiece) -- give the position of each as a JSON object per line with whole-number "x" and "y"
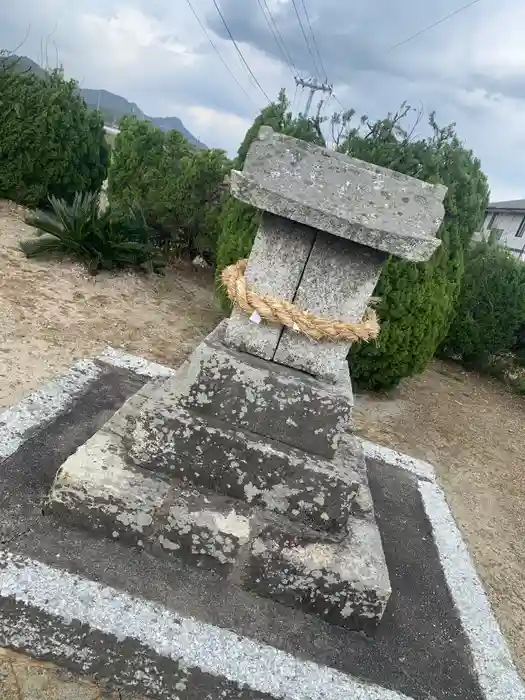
{"x": 206, "y": 452}
{"x": 419, "y": 649}
{"x": 281, "y": 404}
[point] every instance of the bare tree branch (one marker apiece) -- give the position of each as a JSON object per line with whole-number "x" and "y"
{"x": 19, "y": 46}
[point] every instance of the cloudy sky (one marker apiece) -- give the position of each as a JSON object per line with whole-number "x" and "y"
{"x": 469, "y": 69}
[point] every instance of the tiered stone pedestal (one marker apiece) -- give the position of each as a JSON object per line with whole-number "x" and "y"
{"x": 169, "y": 474}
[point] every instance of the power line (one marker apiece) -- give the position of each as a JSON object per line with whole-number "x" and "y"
{"x": 426, "y": 29}
{"x": 239, "y": 51}
{"x": 278, "y": 32}
{"x": 338, "y": 101}
{"x": 435, "y": 24}
{"x": 277, "y": 36}
{"x": 314, "y": 40}
{"x": 305, "y": 37}
{"x": 203, "y": 27}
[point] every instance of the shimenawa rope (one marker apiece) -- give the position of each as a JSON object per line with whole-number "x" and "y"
{"x": 287, "y": 314}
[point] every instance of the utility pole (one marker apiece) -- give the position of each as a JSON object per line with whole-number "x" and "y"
{"x": 313, "y": 86}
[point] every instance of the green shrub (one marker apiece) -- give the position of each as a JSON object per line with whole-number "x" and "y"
{"x": 490, "y": 309}
{"x": 417, "y": 300}
{"x": 104, "y": 241}
{"x": 239, "y": 222}
{"x": 178, "y": 187}
{"x": 51, "y": 144}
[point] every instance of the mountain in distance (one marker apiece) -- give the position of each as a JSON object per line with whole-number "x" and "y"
{"x": 112, "y": 106}
{"x": 22, "y": 64}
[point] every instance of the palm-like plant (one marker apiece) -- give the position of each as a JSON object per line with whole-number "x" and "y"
{"x": 101, "y": 240}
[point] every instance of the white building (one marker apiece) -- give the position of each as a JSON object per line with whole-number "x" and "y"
{"x": 507, "y": 220}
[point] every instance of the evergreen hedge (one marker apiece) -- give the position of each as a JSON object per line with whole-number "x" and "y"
{"x": 491, "y": 307}
{"x": 418, "y": 300}
{"x": 51, "y": 144}
{"x": 178, "y": 187}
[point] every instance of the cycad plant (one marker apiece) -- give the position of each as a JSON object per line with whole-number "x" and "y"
{"x": 101, "y": 240}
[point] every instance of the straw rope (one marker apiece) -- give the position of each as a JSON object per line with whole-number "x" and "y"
{"x": 287, "y": 314}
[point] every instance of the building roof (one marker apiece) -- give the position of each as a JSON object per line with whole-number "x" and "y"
{"x": 513, "y": 204}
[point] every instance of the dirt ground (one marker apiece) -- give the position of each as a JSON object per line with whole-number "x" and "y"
{"x": 53, "y": 313}
{"x": 470, "y": 427}
{"x": 22, "y": 678}
{"x": 473, "y": 430}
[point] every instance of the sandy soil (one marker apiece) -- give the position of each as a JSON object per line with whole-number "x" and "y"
{"x": 472, "y": 429}
{"x": 52, "y": 313}
{"x": 22, "y": 678}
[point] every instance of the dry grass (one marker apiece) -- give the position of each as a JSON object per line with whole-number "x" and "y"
{"x": 52, "y": 313}
{"x": 472, "y": 429}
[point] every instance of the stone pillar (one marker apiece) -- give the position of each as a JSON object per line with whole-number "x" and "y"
{"x": 277, "y": 261}
{"x": 338, "y": 280}
{"x": 330, "y": 222}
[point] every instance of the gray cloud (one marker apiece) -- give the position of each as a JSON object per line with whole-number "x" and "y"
{"x": 464, "y": 69}
{"x": 468, "y": 69}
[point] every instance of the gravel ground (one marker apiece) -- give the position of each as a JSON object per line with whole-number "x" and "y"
{"x": 22, "y": 678}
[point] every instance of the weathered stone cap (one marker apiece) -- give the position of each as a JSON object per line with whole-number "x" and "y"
{"x": 346, "y": 197}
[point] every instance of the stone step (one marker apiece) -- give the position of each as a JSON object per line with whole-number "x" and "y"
{"x": 269, "y": 400}
{"x": 343, "y": 579}
{"x": 95, "y": 487}
{"x": 272, "y": 401}
{"x": 346, "y": 582}
{"x": 204, "y": 452}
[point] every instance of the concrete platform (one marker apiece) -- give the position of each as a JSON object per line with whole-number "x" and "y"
{"x": 169, "y": 630}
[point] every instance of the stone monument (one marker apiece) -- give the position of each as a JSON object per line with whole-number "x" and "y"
{"x": 244, "y": 461}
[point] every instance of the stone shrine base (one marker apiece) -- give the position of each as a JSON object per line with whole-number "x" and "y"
{"x": 209, "y": 466}
{"x": 170, "y": 630}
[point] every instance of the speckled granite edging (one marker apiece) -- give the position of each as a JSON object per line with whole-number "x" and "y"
{"x": 44, "y": 405}
{"x": 136, "y": 364}
{"x": 497, "y": 674}
{"x": 423, "y": 470}
{"x": 40, "y": 407}
{"x": 199, "y": 655}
